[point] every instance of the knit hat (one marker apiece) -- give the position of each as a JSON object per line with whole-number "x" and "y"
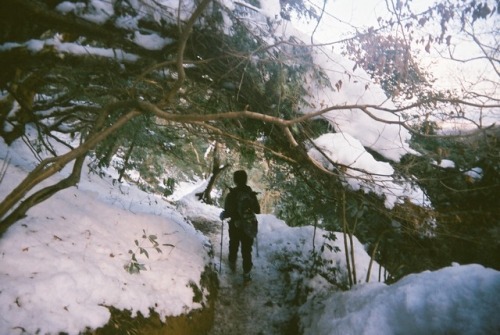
{"x": 240, "y": 178}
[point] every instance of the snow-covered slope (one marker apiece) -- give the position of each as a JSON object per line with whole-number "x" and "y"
{"x": 64, "y": 263}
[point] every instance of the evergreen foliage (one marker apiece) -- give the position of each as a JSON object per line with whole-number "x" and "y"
{"x": 465, "y": 196}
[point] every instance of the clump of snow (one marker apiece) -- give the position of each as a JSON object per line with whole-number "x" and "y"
{"x": 96, "y": 11}
{"x": 346, "y": 150}
{"x": 353, "y": 87}
{"x": 151, "y": 41}
{"x": 270, "y": 8}
{"x": 63, "y": 48}
{"x": 475, "y": 173}
{"x": 447, "y": 164}
{"x": 362, "y": 171}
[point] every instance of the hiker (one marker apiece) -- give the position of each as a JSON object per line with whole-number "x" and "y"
{"x": 241, "y": 233}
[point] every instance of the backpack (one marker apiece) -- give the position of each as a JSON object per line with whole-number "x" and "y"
{"x": 247, "y": 220}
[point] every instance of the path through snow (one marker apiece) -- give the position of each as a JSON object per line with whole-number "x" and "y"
{"x": 263, "y": 307}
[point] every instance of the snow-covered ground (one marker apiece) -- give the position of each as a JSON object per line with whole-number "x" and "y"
{"x": 63, "y": 263}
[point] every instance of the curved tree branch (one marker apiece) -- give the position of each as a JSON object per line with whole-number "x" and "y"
{"x": 185, "y": 33}
{"x": 187, "y": 118}
{"x": 50, "y": 166}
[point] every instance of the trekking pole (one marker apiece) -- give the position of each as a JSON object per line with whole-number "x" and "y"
{"x": 257, "y": 245}
{"x": 221, "y": 242}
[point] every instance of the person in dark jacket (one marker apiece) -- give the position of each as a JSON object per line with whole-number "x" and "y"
{"x": 237, "y": 236}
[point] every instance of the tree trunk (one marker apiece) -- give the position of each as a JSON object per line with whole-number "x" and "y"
{"x": 353, "y": 259}
{"x": 373, "y": 257}
{"x": 126, "y": 160}
{"x": 42, "y": 195}
{"x": 346, "y": 246}
{"x": 217, "y": 169}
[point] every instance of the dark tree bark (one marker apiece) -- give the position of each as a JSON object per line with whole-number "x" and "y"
{"x": 42, "y": 195}
{"x": 217, "y": 170}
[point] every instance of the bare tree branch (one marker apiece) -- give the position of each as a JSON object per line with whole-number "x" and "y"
{"x": 185, "y": 33}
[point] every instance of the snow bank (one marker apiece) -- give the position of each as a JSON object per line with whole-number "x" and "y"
{"x": 454, "y": 300}
{"x": 64, "y": 263}
{"x": 275, "y": 238}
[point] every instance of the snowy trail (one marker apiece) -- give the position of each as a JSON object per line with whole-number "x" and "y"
{"x": 259, "y": 308}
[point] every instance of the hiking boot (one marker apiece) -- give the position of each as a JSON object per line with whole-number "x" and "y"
{"x": 246, "y": 277}
{"x": 232, "y": 266}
